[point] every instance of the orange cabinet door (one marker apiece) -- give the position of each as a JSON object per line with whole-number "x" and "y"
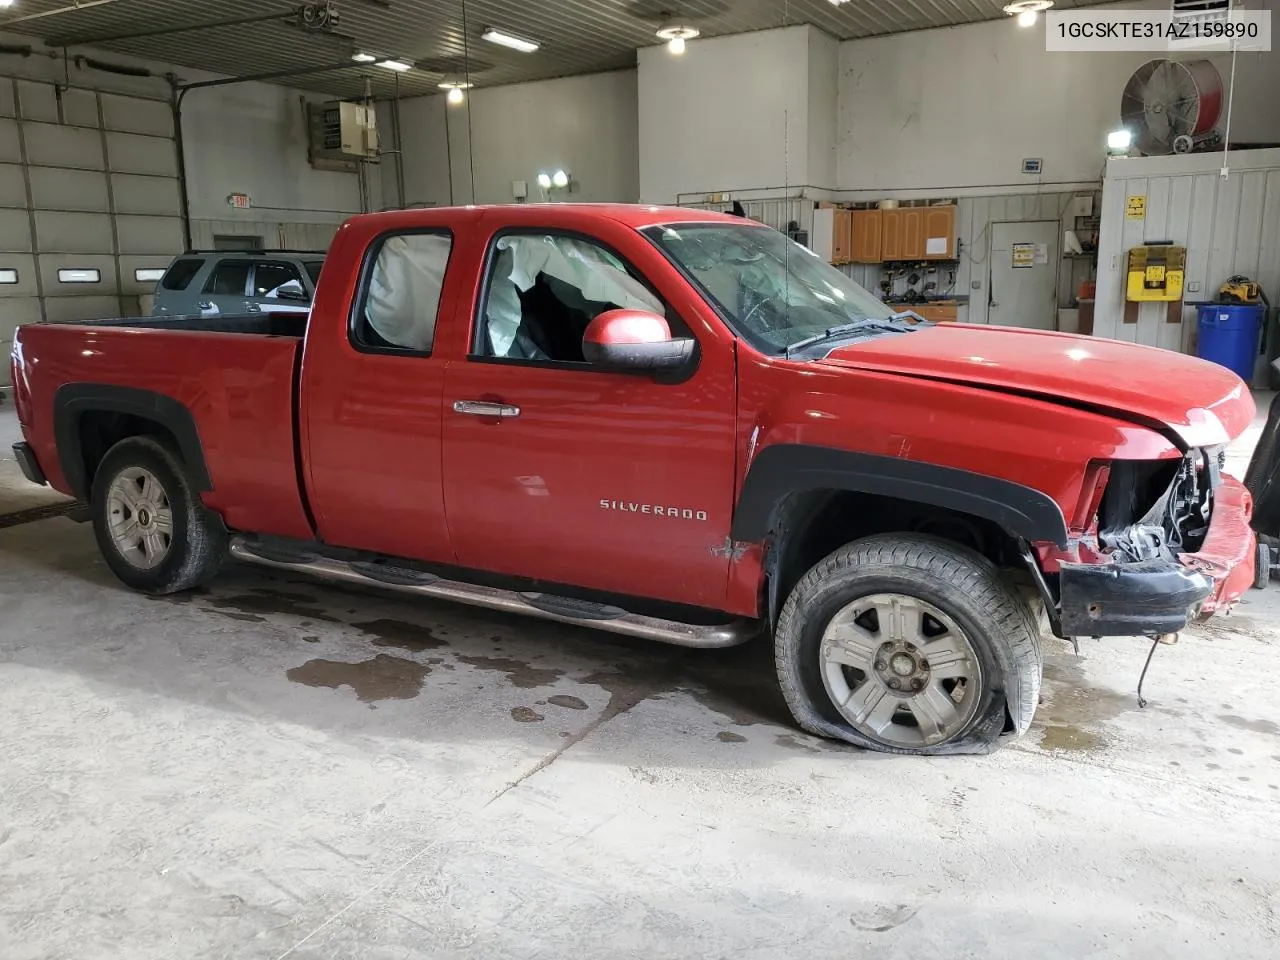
{"x": 913, "y": 233}
{"x": 891, "y": 244}
{"x": 939, "y": 228}
{"x": 867, "y": 232}
{"x": 841, "y": 239}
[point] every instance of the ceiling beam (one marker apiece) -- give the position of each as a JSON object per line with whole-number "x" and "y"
{"x": 85, "y": 39}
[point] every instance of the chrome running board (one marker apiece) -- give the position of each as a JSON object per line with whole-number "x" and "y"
{"x": 541, "y": 605}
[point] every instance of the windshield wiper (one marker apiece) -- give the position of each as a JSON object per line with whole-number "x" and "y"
{"x": 893, "y": 324}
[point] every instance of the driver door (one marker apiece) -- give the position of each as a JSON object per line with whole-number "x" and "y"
{"x": 558, "y": 471}
{"x": 277, "y": 286}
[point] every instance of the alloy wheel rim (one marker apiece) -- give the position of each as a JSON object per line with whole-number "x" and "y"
{"x": 140, "y": 518}
{"x": 900, "y": 670}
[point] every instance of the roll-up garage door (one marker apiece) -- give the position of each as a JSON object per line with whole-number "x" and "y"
{"x": 89, "y": 203}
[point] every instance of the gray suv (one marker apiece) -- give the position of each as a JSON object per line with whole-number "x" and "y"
{"x": 220, "y": 282}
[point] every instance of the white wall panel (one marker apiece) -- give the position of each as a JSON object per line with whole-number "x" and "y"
{"x": 55, "y": 188}
{"x": 37, "y": 101}
{"x": 6, "y": 100}
{"x": 50, "y": 264}
{"x": 134, "y": 153}
{"x": 58, "y": 309}
{"x": 10, "y": 149}
{"x": 79, "y": 108}
{"x": 26, "y": 286}
{"x": 1228, "y": 226}
{"x": 15, "y": 231}
{"x": 146, "y": 195}
{"x": 73, "y": 232}
{"x": 136, "y": 115}
{"x": 55, "y": 146}
{"x": 148, "y": 235}
{"x": 13, "y": 186}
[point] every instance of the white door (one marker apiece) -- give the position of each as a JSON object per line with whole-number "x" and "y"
{"x": 1024, "y": 274}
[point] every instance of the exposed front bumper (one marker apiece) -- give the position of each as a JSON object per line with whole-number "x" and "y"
{"x": 1161, "y": 596}
{"x": 28, "y": 463}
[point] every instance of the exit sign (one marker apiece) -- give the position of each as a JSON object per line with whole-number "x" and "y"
{"x": 238, "y": 200}
{"x": 1033, "y": 166}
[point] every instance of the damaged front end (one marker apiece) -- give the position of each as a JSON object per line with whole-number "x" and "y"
{"x": 1170, "y": 543}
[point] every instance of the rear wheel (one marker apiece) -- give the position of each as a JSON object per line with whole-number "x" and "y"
{"x": 908, "y": 644}
{"x": 152, "y": 529}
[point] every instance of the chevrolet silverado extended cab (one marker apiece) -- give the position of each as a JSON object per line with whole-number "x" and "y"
{"x": 669, "y": 424}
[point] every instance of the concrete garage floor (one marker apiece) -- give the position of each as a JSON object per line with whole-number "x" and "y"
{"x": 275, "y": 768}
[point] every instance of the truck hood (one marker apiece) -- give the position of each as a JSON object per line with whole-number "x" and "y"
{"x": 1202, "y": 403}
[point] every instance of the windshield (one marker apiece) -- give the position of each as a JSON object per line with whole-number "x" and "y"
{"x": 773, "y": 291}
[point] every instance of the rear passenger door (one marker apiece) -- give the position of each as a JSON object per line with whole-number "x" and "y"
{"x": 227, "y": 289}
{"x": 371, "y": 396}
{"x": 277, "y": 287}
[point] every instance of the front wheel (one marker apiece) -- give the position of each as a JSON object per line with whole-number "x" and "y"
{"x": 152, "y": 529}
{"x": 908, "y": 644}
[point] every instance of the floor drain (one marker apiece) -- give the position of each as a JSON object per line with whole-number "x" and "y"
{"x": 41, "y": 513}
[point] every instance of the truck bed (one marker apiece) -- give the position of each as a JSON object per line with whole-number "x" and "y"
{"x": 255, "y": 324}
{"x": 235, "y": 375}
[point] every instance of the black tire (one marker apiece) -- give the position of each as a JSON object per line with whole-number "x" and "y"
{"x": 1262, "y": 567}
{"x": 962, "y": 584}
{"x": 198, "y": 543}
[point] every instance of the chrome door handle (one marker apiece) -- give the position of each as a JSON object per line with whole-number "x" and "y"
{"x": 481, "y": 408}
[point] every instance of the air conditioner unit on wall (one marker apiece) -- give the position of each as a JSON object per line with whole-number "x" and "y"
{"x": 1190, "y": 12}
{"x": 342, "y": 134}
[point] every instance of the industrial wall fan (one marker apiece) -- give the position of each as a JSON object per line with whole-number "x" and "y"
{"x": 1172, "y": 106}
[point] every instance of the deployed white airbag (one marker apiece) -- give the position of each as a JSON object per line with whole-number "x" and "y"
{"x": 404, "y": 291}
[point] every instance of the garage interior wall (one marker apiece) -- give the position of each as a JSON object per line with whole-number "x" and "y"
{"x": 586, "y": 126}
{"x": 88, "y": 182}
{"x": 1229, "y": 227}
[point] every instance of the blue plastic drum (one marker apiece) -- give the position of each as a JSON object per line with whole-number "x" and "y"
{"x": 1229, "y": 335}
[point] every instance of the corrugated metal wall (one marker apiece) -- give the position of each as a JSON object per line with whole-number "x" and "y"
{"x": 88, "y": 183}
{"x": 1229, "y": 227}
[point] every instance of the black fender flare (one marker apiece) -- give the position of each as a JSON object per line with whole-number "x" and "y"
{"x": 785, "y": 469}
{"x": 74, "y": 400}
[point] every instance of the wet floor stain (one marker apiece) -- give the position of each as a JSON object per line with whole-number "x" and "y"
{"x": 726, "y": 736}
{"x": 526, "y": 715}
{"x": 242, "y": 617}
{"x": 521, "y": 674}
{"x": 1064, "y": 737}
{"x": 310, "y": 639}
{"x": 568, "y": 702}
{"x": 264, "y": 601}
{"x": 397, "y": 633}
{"x": 1257, "y": 726}
{"x": 1074, "y": 709}
{"x": 383, "y": 678}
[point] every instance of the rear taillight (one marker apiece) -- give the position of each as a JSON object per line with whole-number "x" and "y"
{"x": 1090, "y": 499}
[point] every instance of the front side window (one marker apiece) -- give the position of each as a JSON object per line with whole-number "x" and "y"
{"x": 402, "y": 294}
{"x": 278, "y": 280}
{"x": 543, "y": 291}
{"x": 313, "y": 268}
{"x": 230, "y": 278}
{"x": 773, "y": 291}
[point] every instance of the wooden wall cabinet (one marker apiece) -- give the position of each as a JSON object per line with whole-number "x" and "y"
{"x": 940, "y": 233}
{"x": 909, "y": 230}
{"x": 866, "y": 236}
{"x": 841, "y": 238}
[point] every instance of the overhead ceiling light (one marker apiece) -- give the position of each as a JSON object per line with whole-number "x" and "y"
{"x": 357, "y": 57}
{"x": 455, "y": 88}
{"x": 400, "y": 66}
{"x": 5, "y": 4}
{"x": 508, "y": 40}
{"x": 544, "y": 181}
{"x": 560, "y": 179}
{"x": 676, "y": 34}
{"x": 1027, "y": 11}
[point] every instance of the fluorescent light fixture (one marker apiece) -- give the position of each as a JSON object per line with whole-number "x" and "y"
{"x": 676, "y": 35}
{"x": 508, "y": 40}
{"x": 5, "y": 4}
{"x": 1119, "y": 139}
{"x": 148, "y": 274}
{"x": 560, "y": 179}
{"x": 79, "y": 275}
{"x": 399, "y": 66}
{"x": 1026, "y": 10}
{"x": 544, "y": 181}
{"x": 7, "y": 275}
{"x": 363, "y": 57}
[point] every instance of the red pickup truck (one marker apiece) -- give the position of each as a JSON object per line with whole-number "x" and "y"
{"x": 670, "y": 424}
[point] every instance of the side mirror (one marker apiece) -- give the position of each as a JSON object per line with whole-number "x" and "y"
{"x": 292, "y": 291}
{"x": 634, "y": 340}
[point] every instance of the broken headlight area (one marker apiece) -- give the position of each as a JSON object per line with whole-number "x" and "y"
{"x": 1154, "y": 509}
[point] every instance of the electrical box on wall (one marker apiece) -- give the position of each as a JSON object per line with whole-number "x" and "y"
{"x": 1155, "y": 273}
{"x": 341, "y": 134}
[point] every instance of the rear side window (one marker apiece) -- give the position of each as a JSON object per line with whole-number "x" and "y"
{"x": 397, "y": 312}
{"x": 181, "y": 273}
{"x": 278, "y": 280}
{"x": 230, "y": 278}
